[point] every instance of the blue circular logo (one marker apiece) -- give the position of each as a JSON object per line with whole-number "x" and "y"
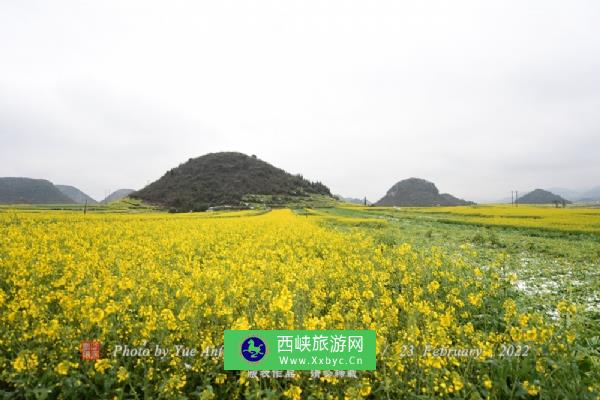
{"x": 253, "y": 349}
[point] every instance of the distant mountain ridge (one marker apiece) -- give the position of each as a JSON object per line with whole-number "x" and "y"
{"x": 225, "y": 178}
{"x": 352, "y": 200}
{"x": 581, "y": 196}
{"x": 592, "y": 195}
{"x": 75, "y": 194}
{"x": 117, "y": 195}
{"x": 416, "y": 192}
{"x": 30, "y": 191}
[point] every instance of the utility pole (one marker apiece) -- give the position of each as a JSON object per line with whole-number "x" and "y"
{"x": 512, "y": 197}
{"x": 517, "y": 198}
{"x": 365, "y": 200}
{"x": 85, "y": 207}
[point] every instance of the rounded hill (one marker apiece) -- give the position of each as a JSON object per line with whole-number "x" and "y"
{"x": 224, "y": 179}
{"x": 416, "y": 192}
{"x": 540, "y": 196}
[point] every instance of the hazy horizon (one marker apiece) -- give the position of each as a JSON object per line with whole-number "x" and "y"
{"x": 556, "y": 190}
{"x": 478, "y": 98}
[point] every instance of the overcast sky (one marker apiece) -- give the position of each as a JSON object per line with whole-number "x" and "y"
{"x": 480, "y": 97}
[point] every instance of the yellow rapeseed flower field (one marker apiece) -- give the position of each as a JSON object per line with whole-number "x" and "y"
{"x": 571, "y": 219}
{"x": 183, "y": 279}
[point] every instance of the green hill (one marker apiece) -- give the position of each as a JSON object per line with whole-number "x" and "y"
{"x": 540, "y": 196}
{"x": 75, "y": 194}
{"x": 415, "y": 192}
{"x": 226, "y": 178}
{"x": 30, "y": 191}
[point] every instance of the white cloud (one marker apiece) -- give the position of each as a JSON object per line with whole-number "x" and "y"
{"x": 479, "y": 97}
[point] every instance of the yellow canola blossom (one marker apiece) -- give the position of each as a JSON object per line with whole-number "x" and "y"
{"x": 570, "y": 219}
{"x": 181, "y": 280}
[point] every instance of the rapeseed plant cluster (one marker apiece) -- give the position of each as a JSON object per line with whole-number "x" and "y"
{"x": 570, "y": 219}
{"x": 157, "y": 279}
